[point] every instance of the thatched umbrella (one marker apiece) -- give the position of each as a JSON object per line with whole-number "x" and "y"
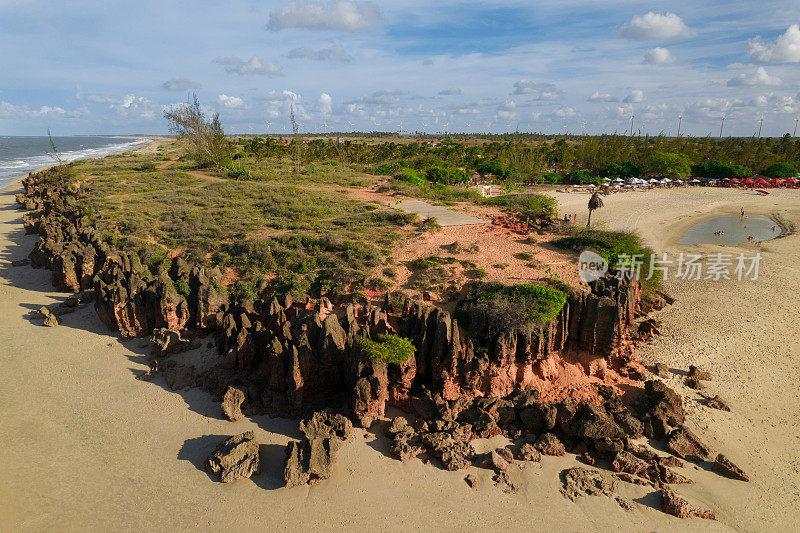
{"x": 595, "y": 202}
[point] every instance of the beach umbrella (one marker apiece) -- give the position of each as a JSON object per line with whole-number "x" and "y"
{"x": 695, "y": 181}
{"x": 665, "y": 181}
{"x": 618, "y": 180}
{"x": 791, "y": 180}
{"x": 653, "y": 180}
{"x": 762, "y": 181}
{"x": 748, "y": 181}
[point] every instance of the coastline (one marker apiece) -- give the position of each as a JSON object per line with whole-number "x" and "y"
{"x": 153, "y": 143}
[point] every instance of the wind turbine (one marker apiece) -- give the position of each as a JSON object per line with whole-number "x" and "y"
{"x": 351, "y": 125}
{"x": 795, "y": 127}
{"x": 760, "y": 123}
{"x": 680, "y": 119}
{"x": 269, "y": 125}
{"x": 722, "y": 124}
{"x": 632, "y": 125}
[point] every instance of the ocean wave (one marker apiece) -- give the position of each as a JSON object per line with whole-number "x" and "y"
{"x": 14, "y": 168}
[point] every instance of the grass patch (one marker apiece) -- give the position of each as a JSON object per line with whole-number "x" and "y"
{"x": 489, "y": 308}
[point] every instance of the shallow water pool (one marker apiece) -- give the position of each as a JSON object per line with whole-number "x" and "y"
{"x": 736, "y": 230}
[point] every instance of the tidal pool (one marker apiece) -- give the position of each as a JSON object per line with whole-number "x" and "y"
{"x": 736, "y": 230}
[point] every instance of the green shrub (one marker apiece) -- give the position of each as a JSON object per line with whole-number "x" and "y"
{"x": 182, "y": 287}
{"x": 378, "y": 284}
{"x": 529, "y": 205}
{"x": 237, "y": 171}
{"x": 429, "y": 224}
{"x": 387, "y": 348}
{"x": 424, "y": 263}
{"x": 390, "y": 272}
{"x": 147, "y": 167}
{"x": 524, "y": 256}
{"x": 411, "y": 177}
{"x": 476, "y": 273}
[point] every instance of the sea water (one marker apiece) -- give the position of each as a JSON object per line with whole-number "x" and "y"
{"x": 736, "y": 230}
{"x": 20, "y": 155}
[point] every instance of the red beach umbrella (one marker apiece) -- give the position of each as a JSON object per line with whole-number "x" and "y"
{"x": 748, "y": 181}
{"x": 791, "y": 180}
{"x": 762, "y": 181}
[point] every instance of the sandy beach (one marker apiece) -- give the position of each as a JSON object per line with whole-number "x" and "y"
{"x": 86, "y": 446}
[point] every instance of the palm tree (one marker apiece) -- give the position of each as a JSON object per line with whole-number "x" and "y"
{"x": 595, "y": 202}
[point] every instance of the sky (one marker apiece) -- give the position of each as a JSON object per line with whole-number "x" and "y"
{"x": 111, "y": 67}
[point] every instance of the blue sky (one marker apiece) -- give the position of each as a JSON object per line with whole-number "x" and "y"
{"x": 90, "y": 67}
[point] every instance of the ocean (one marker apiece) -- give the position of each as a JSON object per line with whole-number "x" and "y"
{"x": 20, "y": 155}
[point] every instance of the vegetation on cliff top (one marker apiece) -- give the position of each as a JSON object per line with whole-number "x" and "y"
{"x": 615, "y": 247}
{"x": 489, "y": 308}
{"x": 387, "y": 348}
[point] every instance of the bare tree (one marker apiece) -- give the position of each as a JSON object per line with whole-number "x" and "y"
{"x": 54, "y": 153}
{"x": 296, "y": 139}
{"x": 206, "y": 139}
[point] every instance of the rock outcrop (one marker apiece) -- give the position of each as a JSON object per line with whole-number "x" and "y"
{"x": 311, "y": 460}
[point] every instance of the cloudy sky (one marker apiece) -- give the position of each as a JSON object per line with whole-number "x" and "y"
{"x": 106, "y": 67}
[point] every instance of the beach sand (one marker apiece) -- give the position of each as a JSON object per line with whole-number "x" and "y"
{"x": 86, "y": 446}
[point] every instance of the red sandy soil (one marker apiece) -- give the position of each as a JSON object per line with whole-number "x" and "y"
{"x": 495, "y": 245}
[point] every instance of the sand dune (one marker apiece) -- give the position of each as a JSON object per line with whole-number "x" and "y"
{"x": 86, "y": 446}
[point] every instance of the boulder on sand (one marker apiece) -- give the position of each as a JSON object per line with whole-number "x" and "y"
{"x": 236, "y": 458}
{"x": 579, "y": 481}
{"x": 724, "y": 466}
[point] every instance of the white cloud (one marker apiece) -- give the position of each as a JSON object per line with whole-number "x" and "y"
{"x": 532, "y": 87}
{"x": 234, "y": 65}
{"x": 785, "y": 50}
{"x": 343, "y": 15}
{"x": 231, "y": 102}
{"x": 179, "y": 83}
{"x": 325, "y": 103}
{"x": 759, "y": 78}
{"x": 636, "y": 96}
{"x": 598, "y": 97}
{"x": 334, "y": 53}
{"x": 450, "y": 92}
{"x": 656, "y": 27}
{"x": 660, "y": 56}
{"x": 564, "y": 112}
{"x": 8, "y": 110}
